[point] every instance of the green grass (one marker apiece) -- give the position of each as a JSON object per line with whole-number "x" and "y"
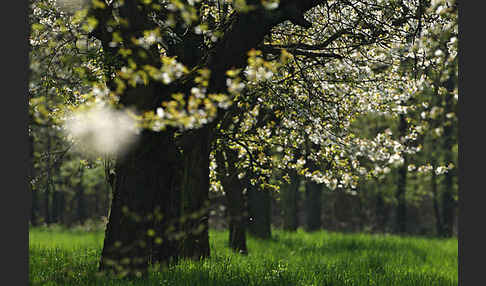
{"x": 64, "y": 257}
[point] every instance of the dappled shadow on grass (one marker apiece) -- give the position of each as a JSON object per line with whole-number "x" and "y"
{"x": 63, "y": 267}
{"x": 351, "y": 245}
{"x": 287, "y": 259}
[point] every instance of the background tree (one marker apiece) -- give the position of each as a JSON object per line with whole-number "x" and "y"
{"x": 259, "y": 212}
{"x": 236, "y": 201}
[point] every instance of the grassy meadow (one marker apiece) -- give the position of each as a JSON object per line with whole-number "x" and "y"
{"x": 70, "y": 257}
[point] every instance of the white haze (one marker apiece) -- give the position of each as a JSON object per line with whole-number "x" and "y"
{"x": 71, "y": 6}
{"x": 101, "y": 131}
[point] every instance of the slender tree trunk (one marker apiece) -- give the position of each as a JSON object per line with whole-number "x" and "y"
{"x": 57, "y": 206}
{"x": 144, "y": 207}
{"x": 237, "y": 216}
{"x": 290, "y": 195}
{"x": 195, "y": 194}
{"x": 448, "y": 207}
{"x": 62, "y": 203}
{"x": 47, "y": 193}
{"x": 81, "y": 199}
{"x": 313, "y": 200}
{"x": 98, "y": 201}
{"x": 259, "y": 212}
{"x": 235, "y": 200}
{"x": 438, "y": 218}
{"x": 34, "y": 210}
{"x": 401, "y": 217}
{"x": 34, "y": 213}
{"x": 448, "y": 201}
{"x": 312, "y": 205}
{"x": 237, "y": 235}
{"x": 47, "y": 205}
{"x": 380, "y": 210}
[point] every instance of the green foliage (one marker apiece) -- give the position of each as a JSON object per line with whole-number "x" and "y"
{"x": 312, "y": 82}
{"x": 300, "y": 86}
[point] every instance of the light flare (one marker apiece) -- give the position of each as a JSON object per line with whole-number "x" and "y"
{"x": 101, "y": 131}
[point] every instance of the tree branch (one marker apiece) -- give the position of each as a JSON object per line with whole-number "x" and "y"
{"x": 274, "y": 49}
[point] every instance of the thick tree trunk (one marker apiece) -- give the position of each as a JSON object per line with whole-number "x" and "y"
{"x": 259, "y": 212}
{"x": 146, "y": 178}
{"x": 290, "y": 196}
{"x": 195, "y": 194}
{"x": 144, "y": 207}
{"x": 235, "y": 200}
{"x": 313, "y": 205}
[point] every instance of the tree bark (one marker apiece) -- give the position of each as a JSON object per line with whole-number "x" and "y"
{"x": 401, "y": 216}
{"x": 57, "y": 206}
{"x": 34, "y": 213}
{"x": 47, "y": 193}
{"x": 35, "y": 207}
{"x": 235, "y": 200}
{"x": 237, "y": 216}
{"x": 47, "y": 205}
{"x": 107, "y": 198}
{"x": 34, "y": 210}
{"x": 195, "y": 194}
{"x": 448, "y": 201}
{"x": 438, "y": 218}
{"x": 259, "y": 212}
{"x": 448, "y": 207}
{"x": 290, "y": 196}
{"x": 313, "y": 205}
{"x": 81, "y": 199}
{"x": 381, "y": 213}
{"x": 144, "y": 207}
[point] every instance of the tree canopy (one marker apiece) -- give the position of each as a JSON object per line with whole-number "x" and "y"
{"x": 281, "y": 87}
